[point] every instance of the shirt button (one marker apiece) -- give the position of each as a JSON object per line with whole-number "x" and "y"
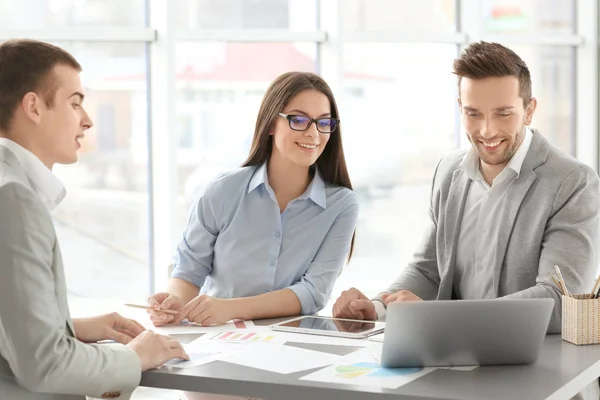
{"x": 277, "y": 234}
{"x": 272, "y": 263}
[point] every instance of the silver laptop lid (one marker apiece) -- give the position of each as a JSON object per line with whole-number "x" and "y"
{"x": 465, "y": 332}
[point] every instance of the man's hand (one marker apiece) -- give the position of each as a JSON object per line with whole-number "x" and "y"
{"x": 353, "y": 304}
{"x": 399, "y": 297}
{"x": 164, "y": 301}
{"x": 206, "y": 310}
{"x": 154, "y": 349}
{"x": 107, "y": 327}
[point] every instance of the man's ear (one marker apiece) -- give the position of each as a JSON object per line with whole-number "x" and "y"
{"x": 530, "y": 110}
{"x": 32, "y": 107}
{"x": 459, "y": 104}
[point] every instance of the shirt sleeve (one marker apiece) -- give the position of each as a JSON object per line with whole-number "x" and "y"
{"x": 194, "y": 256}
{"x": 35, "y": 342}
{"x": 380, "y": 309}
{"x": 570, "y": 241}
{"x": 315, "y": 287}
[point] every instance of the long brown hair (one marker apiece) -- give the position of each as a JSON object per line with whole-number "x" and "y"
{"x": 331, "y": 163}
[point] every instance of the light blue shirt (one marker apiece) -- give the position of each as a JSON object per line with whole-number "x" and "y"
{"x": 238, "y": 244}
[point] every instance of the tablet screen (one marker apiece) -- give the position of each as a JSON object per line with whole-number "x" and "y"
{"x": 331, "y": 324}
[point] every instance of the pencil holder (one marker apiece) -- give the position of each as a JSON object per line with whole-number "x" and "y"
{"x": 581, "y": 319}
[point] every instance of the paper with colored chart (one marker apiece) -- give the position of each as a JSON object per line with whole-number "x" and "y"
{"x": 190, "y": 328}
{"x": 282, "y": 359}
{"x": 362, "y": 368}
{"x": 248, "y": 337}
{"x": 367, "y": 373}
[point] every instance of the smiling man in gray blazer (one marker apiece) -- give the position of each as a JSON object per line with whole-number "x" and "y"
{"x": 503, "y": 213}
{"x": 44, "y": 355}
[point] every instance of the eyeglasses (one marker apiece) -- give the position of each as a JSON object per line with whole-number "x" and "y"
{"x": 302, "y": 123}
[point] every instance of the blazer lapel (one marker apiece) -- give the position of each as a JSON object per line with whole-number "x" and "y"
{"x": 8, "y": 158}
{"x": 459, "y": 188}
{"x": 514, "y": 198}
{"x": 536, "y": 156}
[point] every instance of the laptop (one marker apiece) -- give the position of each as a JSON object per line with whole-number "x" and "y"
{"x": 465, "y": 332}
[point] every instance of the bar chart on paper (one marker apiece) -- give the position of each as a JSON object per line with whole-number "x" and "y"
{"x": 248, "y": 337}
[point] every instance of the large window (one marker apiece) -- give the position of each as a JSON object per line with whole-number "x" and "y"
{"x": 295, "y": 15}
{"x": 36, "y": 14}
{"x": 528, "y": 16}
{"x": 553, "y": 78}
{"x": 388, "y": 61}
{"x": 399, "y": 117}
{"x": 424, "y": 16}
{"x": 103, "y": 222}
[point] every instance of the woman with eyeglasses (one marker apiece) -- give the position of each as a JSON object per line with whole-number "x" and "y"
{"x": 269, "y": 239}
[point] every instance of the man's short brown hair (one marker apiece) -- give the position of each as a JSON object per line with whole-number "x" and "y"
{"x": 484, "y": 60}
{"x": 26, "y": 66}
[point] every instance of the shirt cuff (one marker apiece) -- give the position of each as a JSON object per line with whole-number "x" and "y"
{"x": 127, "y": 369}
{"x": 307, "y": 301}
{"x": 184, "y": 275}
{"x": 379, "y": 309}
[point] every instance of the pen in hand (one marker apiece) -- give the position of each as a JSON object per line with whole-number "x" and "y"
{"x": 172, "y": 312}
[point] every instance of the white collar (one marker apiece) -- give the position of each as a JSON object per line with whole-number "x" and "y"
{"x": 470, "y": 163}
{"x": 517, "y": 160}
{"x": 45, "y": 184}
{"x": 315, "y": 191}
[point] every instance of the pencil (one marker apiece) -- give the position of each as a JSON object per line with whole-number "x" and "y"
{"x": 172, "y": 312}
{"x": 562, "y": 280}
{"x": 593, "y": 294}
{"x": 557, "y": 282}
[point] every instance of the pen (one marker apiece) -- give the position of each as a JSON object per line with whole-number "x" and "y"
{"x": 562, "y": 280}
{"x": 172, "y": 312}
{"x": 557, "y": 282}
{"x": 595, "y": 288}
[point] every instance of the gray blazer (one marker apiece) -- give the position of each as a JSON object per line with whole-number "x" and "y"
{"x": 551, "y": 218}
{"x": 40, "y": 359}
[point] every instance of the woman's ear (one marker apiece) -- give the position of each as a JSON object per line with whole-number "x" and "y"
{"x": 273, "y": 126}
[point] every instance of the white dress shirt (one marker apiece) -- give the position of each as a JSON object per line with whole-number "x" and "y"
{"x": 46, "y": 185}
{"x": 481, "y": 215}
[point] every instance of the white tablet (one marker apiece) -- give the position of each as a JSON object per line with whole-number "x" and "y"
{"x": 348, "y": 328}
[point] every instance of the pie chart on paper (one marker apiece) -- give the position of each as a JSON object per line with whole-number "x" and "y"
{"x": 373, "y": 370}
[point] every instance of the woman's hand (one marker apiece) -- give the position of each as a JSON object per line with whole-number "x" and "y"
{"x": 206, "y": 310}
{"x": 164, "y": 301}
